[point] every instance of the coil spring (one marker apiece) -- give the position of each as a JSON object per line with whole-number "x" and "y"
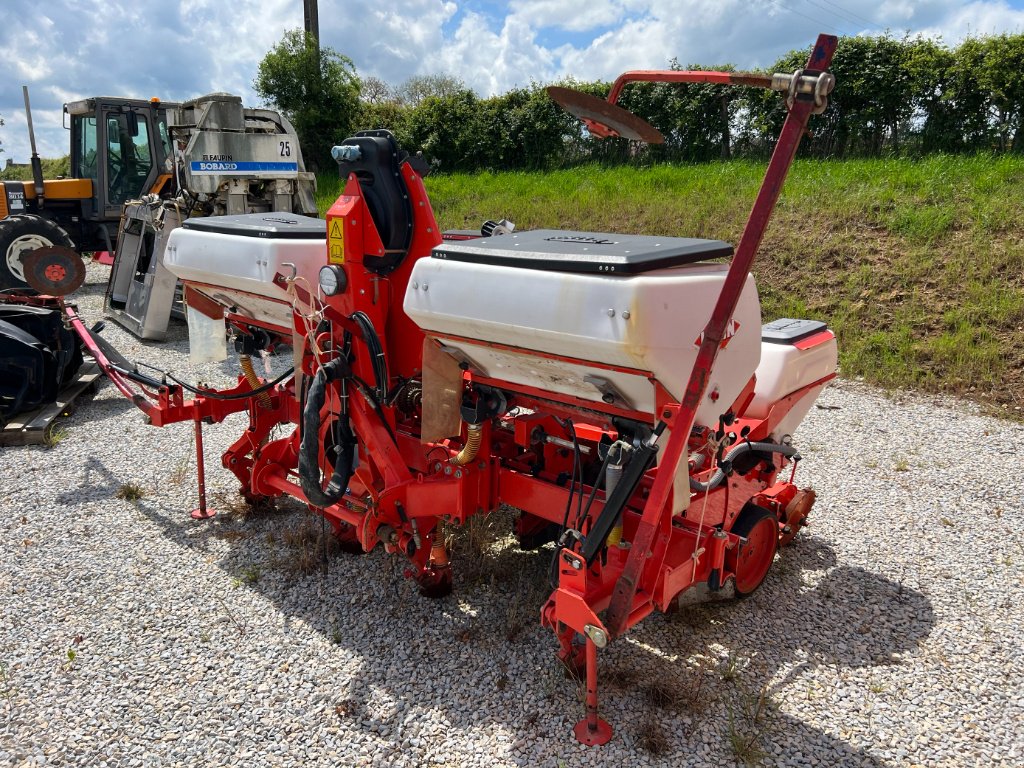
{"x": 250, "y": 376}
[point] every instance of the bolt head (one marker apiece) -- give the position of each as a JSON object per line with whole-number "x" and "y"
{"x": 598, "y": 635}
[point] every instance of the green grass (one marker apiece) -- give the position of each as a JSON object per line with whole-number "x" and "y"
{"x": 918, "y": 265}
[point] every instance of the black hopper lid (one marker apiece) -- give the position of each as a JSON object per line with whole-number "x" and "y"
{"x": 272, "y": 226}
{"x": 568, "y": 251}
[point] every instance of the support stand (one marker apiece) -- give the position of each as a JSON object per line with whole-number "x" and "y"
{"x": 592, "y": 730}
{"x": 201, "y": 513}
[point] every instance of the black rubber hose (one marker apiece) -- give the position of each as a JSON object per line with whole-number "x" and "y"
{"x": 376, "y": 350}
{"x": 215, "y": 395}
{"x": 309, "y": 448}
{"x": 744, "y": 447}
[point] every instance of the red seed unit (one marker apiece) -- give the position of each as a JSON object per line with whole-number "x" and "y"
{"x": 619, "y": 391}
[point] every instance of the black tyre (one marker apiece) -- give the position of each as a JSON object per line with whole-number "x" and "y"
{"x": 19, "y": 236}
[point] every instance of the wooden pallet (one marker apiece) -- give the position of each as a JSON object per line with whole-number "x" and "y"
{"x": 37, "y": 427}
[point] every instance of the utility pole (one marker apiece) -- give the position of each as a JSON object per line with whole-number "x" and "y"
{"x": 311, "y": 18}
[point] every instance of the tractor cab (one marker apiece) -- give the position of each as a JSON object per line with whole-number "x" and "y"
{"x": 122, "y": 146}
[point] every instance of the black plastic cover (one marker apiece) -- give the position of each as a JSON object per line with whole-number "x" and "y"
{"x": 378, "y": 168}
{"x": 568, "y": 251}
{"x": 786, "y": 330}
{"x": 38, "y": 356}
{"x": 272, "y": 226}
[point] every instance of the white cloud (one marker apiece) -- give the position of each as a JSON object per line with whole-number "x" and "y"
{"x": 70, "y": 49}
{"x": 570, "y": 15}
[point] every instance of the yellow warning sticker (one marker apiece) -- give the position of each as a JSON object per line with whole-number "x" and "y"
{"x": 336, "y": 242}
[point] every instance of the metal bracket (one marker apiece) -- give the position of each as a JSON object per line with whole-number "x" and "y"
{"x": 465, "y": 361}
{"x": 609, "y": 392}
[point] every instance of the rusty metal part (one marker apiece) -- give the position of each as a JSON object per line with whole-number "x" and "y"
{"x": 55, "y": 270}
{"x": 748, "y": 79}
{"x": 796, "y": 514}
{"x": 604, "y": 119}
{"x": 442, "y": 394}
{"x": 592, "y": 730}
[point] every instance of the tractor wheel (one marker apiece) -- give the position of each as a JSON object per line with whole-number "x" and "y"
{"x": 20, "y": 236}
{"x": 752, "y": 560}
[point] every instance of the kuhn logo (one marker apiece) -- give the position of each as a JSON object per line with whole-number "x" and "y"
{"x": 731, "y": 328}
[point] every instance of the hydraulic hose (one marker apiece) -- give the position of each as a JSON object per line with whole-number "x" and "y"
{"x": 377, "y": 358}
{"x": 309, "y": 448}
{"x": 744, "y": 447}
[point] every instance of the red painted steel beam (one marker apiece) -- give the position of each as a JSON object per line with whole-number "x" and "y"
{"x": 750, "y": 79}
{"x": 643, "y": 545}
{"x": 137, "y": 398}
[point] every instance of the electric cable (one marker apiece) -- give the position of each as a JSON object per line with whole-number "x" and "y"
{"x": 809, "y": 18}
{"x": 851, "y": 13}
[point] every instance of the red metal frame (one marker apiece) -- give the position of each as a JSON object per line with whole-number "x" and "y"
{"x": 527, "y": 456}
{"x": 682, "y": 422}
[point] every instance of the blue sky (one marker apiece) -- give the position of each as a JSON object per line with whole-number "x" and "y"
{"x": 69, "y": 49}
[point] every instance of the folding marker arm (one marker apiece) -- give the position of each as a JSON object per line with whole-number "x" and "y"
{"x": 642, "y": 554}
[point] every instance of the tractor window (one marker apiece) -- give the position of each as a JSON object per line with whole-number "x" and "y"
{"x": 165, "y": 140}
{"x": 84, "y": 132}
{"x": 129, "y": 159}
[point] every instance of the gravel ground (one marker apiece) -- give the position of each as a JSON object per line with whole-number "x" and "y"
{"x": 889, "y": 634}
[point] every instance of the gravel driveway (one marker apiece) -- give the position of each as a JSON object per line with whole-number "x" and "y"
{"x": 889, "y": 634}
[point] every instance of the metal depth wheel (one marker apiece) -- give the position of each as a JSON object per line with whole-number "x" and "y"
{"x": 752, "y": 560}
{"x": 20, "y": 236}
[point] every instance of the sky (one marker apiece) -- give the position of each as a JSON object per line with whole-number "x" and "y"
{"x": 179, "y": 49}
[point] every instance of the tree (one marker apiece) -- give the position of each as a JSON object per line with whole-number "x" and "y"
{"x": 524, "y": 129}
{"x": 373, "y": 90}
{"x": 450, "y": 131}
{"x": 1001, "y": 78}
{"x": 419, "y": 88}
{"x": 316, "y": 88}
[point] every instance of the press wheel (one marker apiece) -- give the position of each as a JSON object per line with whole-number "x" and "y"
{"x": 752, "y": 559}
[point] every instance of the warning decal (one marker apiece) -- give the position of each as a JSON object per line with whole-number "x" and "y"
{"x": 336, "y": 241}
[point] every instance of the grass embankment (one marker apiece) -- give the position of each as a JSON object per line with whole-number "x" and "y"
{"x": 918, "y": 265}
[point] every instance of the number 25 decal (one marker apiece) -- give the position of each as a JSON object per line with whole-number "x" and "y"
{"x": 286, "y": 148}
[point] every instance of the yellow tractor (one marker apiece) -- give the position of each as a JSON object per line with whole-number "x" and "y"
{"x": 120, "y": 150}
{"x": 209, "y": 156}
